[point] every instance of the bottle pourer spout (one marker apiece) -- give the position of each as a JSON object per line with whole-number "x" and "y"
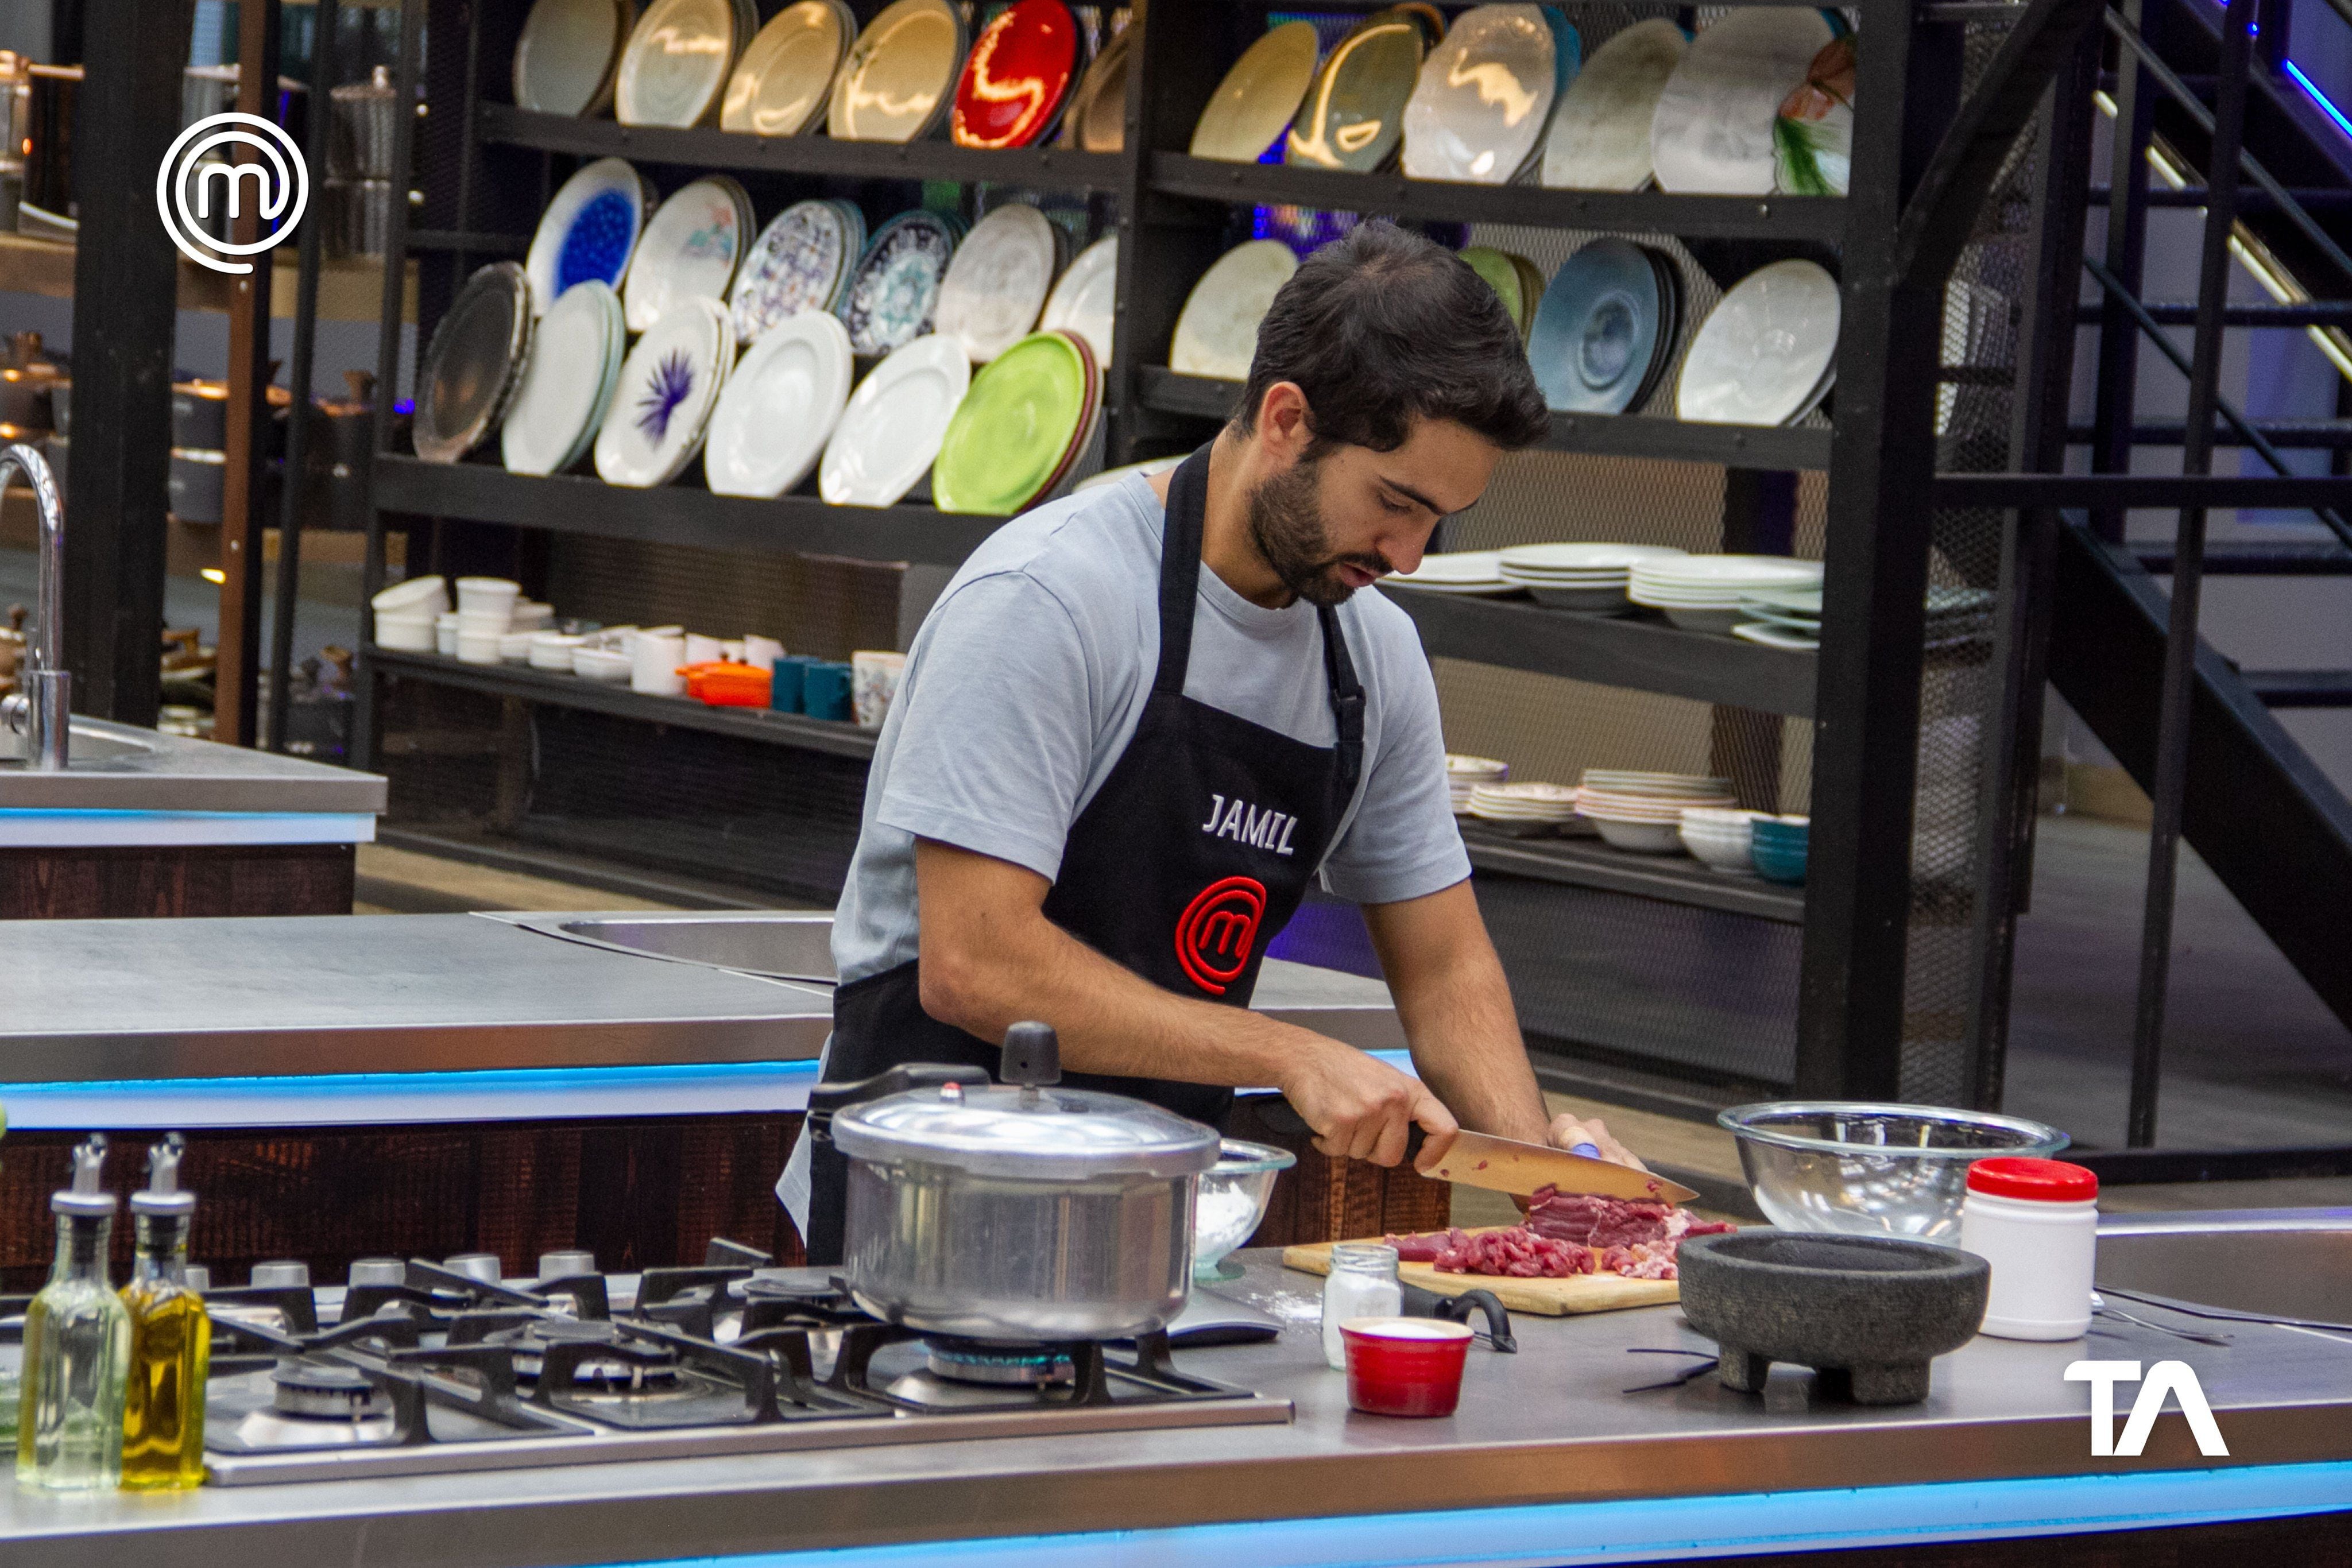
{"x": 85, "y": 1197}
{"x": 162, "y": 1194}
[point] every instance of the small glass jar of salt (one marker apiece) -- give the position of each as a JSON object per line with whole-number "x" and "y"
{"x": 1363, "y": 1284}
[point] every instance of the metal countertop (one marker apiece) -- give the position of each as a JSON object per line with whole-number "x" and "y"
{"x": 122, "y": 768}
{"x": 1550, "y": 1425}
{"x": 118, "y": 1001}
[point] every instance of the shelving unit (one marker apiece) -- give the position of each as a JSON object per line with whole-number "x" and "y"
{"x": 349, "y": 290}
{"x": 487, "y": 169}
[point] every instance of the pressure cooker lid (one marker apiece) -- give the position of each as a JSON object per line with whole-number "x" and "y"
{"x": 1044, "y": 1133}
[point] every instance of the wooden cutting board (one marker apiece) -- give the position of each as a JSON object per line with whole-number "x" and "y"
{"x": 1545, "y": 1298}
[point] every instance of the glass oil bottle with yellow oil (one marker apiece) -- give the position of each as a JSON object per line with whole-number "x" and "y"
{"x": 171, "y": 1337}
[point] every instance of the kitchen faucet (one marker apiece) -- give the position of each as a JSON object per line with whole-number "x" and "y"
{"x": 39, "y": 708}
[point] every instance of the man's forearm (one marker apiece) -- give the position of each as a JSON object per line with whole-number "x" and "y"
{"x": 1466, "y": 1047}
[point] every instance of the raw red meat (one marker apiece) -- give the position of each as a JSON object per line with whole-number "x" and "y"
{"x": 1565, "y": 1235}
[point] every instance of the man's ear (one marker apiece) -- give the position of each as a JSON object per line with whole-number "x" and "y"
{"x": 1284, "y": 424}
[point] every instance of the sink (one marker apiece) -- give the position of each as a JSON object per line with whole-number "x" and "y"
{"x": 784, "y": 946}
{"x": 88, "y": 747}
{"x": 2290, "y": 1262}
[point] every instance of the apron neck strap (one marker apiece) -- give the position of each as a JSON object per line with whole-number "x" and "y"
{"x": 1347, "y": 698}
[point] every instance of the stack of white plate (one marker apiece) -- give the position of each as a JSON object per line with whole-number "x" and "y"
{"x": 1587, "y": 577}
{"x": 1465, "y": 774}
{"x": 1638, "y": 811}
{"x": 1702, "y": 593}
{"x": 1472, "y": 571}
{"x": 1721, "y": 837}
{"x": 1524, "y": 806}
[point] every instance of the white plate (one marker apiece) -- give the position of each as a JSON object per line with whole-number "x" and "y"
{"x": 1484, "y": 97}
{"x": 1743, "y": 570}
{"x": 689, "y": 249}
{"x": 1086, "y": 300}
{"x": 589, "y": 230}
{"x": 1600, "y": 136}
{"x": 561, "y": 401}
{"x": 1762, "y": 354}
{"x": 997, "y": 281}
{"x": 563, "y": 61}
{"x": 795, "y": 265}
{"x": 1712, "y": 132}
{"x": 901, "y": 74}
{"x": 1552, "y": 557}
{"x": 896, "y": 419}
{"x": 676, "y": 63}
{"x": 781, "y": 85}
{"x": 779, "y": 407}
{"x": 663, "y": 405}
{"x": 1453, "y": 567}
{"x": 1253, "y": 106}
{"x": 1216, "y": 336}
{"x": 1772, "y": 636}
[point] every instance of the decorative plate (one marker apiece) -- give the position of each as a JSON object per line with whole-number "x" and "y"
{"x": 1217, "y": 333}
{"x": 1096, "y": 121}
{"x": 668, "y": 387}
{"x": 892, "y": 297}
{"x": 795, "y": 265}
{"x": 1501, "y": 273}
{"x": 997, "y": 281}
{"x": 1014, "y": 429}
{"x": 779, "y": 408}
{"x": 1019, "y": 71}
{"x": 1532, "y": 290}
{"x": 1670, "y": 324}
{"x": 1596, "y": 332}
{"x": 472, "y": 364}
{"x": 900, "y": 73}
{"x": 1251, "y": 107}
{"x": 1813, "y": 140}
{"x": 568, "y": 382}
{"x": 1084, "y": 451}
{"x": 589, "y": 230}
{"x": 780, "y": 84}
{"x": 563, "y": 61}
{"x": 690, "y": 247}
{"x": 891, "y": 430}
{"x": 1354, "y": 114}
{"x": 1599, "y": 138}
{"x": 1764, "y": 353}
{"x": 1712, "y": 133}
{"x": 1484, "y": 97}
{"x": 1086, "y": 300}
{"x": 676, "y": 63}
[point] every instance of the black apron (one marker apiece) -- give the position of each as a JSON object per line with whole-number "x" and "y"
{"x": 1196, "y": 850}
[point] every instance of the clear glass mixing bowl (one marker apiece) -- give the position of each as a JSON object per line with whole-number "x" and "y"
{"x": 1863, "y": 1170}
{"x": 1231, "y": 1201}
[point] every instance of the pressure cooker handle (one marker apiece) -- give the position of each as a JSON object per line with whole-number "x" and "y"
{"x": 1033, "y": 1056}
{"x": 825, "y": 1099}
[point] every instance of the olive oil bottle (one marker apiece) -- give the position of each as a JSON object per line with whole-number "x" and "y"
{"x": 171, "y": 1337}
{"x": 76, "y": 1343}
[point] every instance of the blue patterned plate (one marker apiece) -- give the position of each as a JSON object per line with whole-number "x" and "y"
{"x": 589, "y": 231}
{"x": 1596, "y": 331}
{"x": 663, "y": 405}
{"x": 795, "y": 265}
{"x": 892, "y": 297}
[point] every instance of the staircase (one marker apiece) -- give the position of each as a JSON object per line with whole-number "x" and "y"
{"x": 2257, "y": 807}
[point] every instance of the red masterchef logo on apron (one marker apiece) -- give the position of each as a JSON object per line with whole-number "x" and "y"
{"x": 1218, "y": 930}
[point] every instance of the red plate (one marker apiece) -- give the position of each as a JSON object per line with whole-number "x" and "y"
{"x": 1019, "y": 71}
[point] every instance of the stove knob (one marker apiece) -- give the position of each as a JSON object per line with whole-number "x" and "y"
{"x": 378, "y": 1271}
{"x": 279, "y": 1273}
{"x": 565, "y": 1265}
{"x": 199, "y": 1278}
{"x": 482, "y": 1266}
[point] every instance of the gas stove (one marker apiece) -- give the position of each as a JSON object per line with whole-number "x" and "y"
{"x": 418, "y": 1367}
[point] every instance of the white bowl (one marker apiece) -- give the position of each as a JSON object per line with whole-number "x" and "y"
{"x": 529, "y": 615}
{"x": 514, "y": 648}
{"x": 1648, "y": 838}
{"x": 552, "y": 650}
{"x": 1707, "y": 620}
{"x": 482, "y": 624}
{"x": 444, "y": 633}
{"x": 1719, "y": 852}
{"x": 601, "y": 665}
{"x": 477, "y": 647}
{"x": 408, "y": 633}
{"x": 492, "y": 595}
{"x": 425, "y": 596}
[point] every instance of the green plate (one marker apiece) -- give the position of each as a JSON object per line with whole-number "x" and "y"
{"x": 1354, "y": 114}
{"x": 1010, "y": 432}
{"x": 1502, "y": 276}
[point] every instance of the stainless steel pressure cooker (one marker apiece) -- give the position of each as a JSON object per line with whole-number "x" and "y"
{"x": 1015, "y": 1212}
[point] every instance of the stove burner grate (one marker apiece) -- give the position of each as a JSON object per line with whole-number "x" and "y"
{"x": 1000, "y": 1366}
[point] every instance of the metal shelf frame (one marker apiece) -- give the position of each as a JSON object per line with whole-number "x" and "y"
{"x": 1923, "y": 161}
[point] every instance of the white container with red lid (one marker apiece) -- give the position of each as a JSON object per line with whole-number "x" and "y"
{"x": 2037, "y": 1223}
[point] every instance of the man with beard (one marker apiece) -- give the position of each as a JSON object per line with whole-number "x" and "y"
{"x": 1140, "y": 720}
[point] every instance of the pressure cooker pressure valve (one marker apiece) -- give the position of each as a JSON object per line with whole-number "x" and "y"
{"x": 1033, "y": 1056}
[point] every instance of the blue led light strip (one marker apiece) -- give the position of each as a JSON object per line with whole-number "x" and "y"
{"x": 488, "y": 1081}
{"x": 2310, "y": 88}
{"x": 1662, "y": 1530}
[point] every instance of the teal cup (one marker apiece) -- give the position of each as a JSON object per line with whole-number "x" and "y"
{"x": 786, "y": 690}
{"x": 824, "y": 691}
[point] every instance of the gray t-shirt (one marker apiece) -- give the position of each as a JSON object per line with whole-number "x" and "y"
{"x": 1030, "y": 675}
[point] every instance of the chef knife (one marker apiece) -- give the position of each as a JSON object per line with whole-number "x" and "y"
{"x": 1506, "y": 1165}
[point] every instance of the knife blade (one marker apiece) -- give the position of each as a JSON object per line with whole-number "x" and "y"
{"x": 1506, "y": 1165}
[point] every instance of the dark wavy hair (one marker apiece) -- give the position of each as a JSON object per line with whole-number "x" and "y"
{"x": 1382, "y": 325}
